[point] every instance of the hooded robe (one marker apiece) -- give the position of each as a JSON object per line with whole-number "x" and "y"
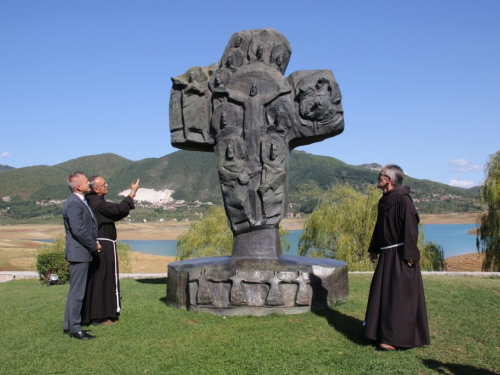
{"x": 102, "y": 297}
{"x": 396, "y": 312}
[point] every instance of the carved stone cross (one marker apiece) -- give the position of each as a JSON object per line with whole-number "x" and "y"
{"x": 246, "y": 111}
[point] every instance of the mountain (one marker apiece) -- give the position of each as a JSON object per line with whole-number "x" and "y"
{"x": 474, "y": 190}
{"x": 4, "y": 167}
{"x": 372, "y": 166}
{"x": 49, "y": 182}
{"x": 193, "y": 176}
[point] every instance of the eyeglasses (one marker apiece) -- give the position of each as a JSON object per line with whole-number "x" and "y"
{"x": 98, "y": 186}
{"x": 383, "y": 175}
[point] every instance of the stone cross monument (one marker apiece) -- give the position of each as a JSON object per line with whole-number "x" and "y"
{"x": 246, "y": 111}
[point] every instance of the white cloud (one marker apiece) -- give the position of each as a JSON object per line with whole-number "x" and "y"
{"x": 462, "y": 183}
{"x": 5, "y": 155}
{"x": 470, "y": 168}
{"x": 458, "y": 162}
{"x": 463, "y": 166}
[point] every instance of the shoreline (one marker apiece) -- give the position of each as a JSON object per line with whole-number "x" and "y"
{"x": 18, "y": 245}
{"x": 171, "y": 230}
{"x": 450, "y": 218}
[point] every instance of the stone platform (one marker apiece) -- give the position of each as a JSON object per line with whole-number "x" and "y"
{"x": 228, "y": 286}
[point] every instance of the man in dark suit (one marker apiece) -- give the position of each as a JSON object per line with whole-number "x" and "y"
{"x": 81, "y": 242}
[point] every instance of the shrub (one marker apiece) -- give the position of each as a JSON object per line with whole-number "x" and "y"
{"x": 51, "y": 260}
{"x": 432, "y": 257}
{"x": 123, "y": 252}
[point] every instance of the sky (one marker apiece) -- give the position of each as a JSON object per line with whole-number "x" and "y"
{"x": 420, "y": 81}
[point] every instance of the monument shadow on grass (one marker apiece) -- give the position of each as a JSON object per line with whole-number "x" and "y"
{"x": 350, "y": 327}
{"x": 155, "y": 281}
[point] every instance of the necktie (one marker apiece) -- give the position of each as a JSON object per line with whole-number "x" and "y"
{"x": 86, "y": 204}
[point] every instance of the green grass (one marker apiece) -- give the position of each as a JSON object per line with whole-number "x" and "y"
{"x": 152, "y": 338}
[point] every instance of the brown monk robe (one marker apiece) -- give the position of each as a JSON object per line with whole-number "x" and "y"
{"x": 396, "y": 314}
{"x": 102, "y": 298}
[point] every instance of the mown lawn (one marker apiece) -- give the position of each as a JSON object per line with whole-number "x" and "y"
{"x": 152, "y": 338}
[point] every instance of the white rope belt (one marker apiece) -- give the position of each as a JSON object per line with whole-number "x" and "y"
{"x": 116, "y": 272}
{"x": 392, "y": 246}
{"x": 106, "y": 239}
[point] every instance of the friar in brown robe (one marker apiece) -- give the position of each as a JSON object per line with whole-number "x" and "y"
{"x": 101, "y": 305}
{"x": 396, "y": 315}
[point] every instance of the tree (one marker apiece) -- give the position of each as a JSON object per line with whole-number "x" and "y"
{"x": 211, "y": 236}
{"x": 488, "y": 235}
{"x": 432, "y": 257}
{"x": 431, "y": 254}
{"x": 342, "y": 225}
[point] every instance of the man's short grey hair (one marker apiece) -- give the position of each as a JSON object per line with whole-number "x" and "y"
{"x": 72, "y": 183}
{"x": 92, "y": 184}
{"x": 395, "y": 173}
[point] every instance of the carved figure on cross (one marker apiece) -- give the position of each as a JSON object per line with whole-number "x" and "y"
{"x": 246, "y": 111}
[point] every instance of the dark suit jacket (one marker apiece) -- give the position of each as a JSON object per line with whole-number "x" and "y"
{"x": 81, "y": 230}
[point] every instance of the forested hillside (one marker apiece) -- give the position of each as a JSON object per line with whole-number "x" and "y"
{"x": 193, "y": 176}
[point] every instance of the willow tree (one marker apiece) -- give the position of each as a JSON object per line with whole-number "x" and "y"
{"x": 211, "y": 236}
{"x": 341, "y": 227}
{"x": 488, "y": 235}
{"x": 431, "y": 254}
{"x": 208, "y": 237}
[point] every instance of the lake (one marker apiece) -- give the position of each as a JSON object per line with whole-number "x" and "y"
{"x": 452, "y": 237}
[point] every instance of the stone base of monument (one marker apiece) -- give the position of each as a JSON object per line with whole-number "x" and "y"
{"x": 238, "y": 286}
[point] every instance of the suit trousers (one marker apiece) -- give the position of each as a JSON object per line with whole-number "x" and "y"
{"x": 78, "y": 283}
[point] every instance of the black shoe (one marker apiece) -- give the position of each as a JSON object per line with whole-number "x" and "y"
{"x": 66, "y": 331}
{"x": 82, "y": 335}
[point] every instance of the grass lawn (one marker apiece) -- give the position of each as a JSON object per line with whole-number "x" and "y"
{"x": 152, "y": 338}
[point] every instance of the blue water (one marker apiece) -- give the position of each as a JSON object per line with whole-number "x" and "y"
{"x": 452, "y": 237}
{"x": 155, "y": 247}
